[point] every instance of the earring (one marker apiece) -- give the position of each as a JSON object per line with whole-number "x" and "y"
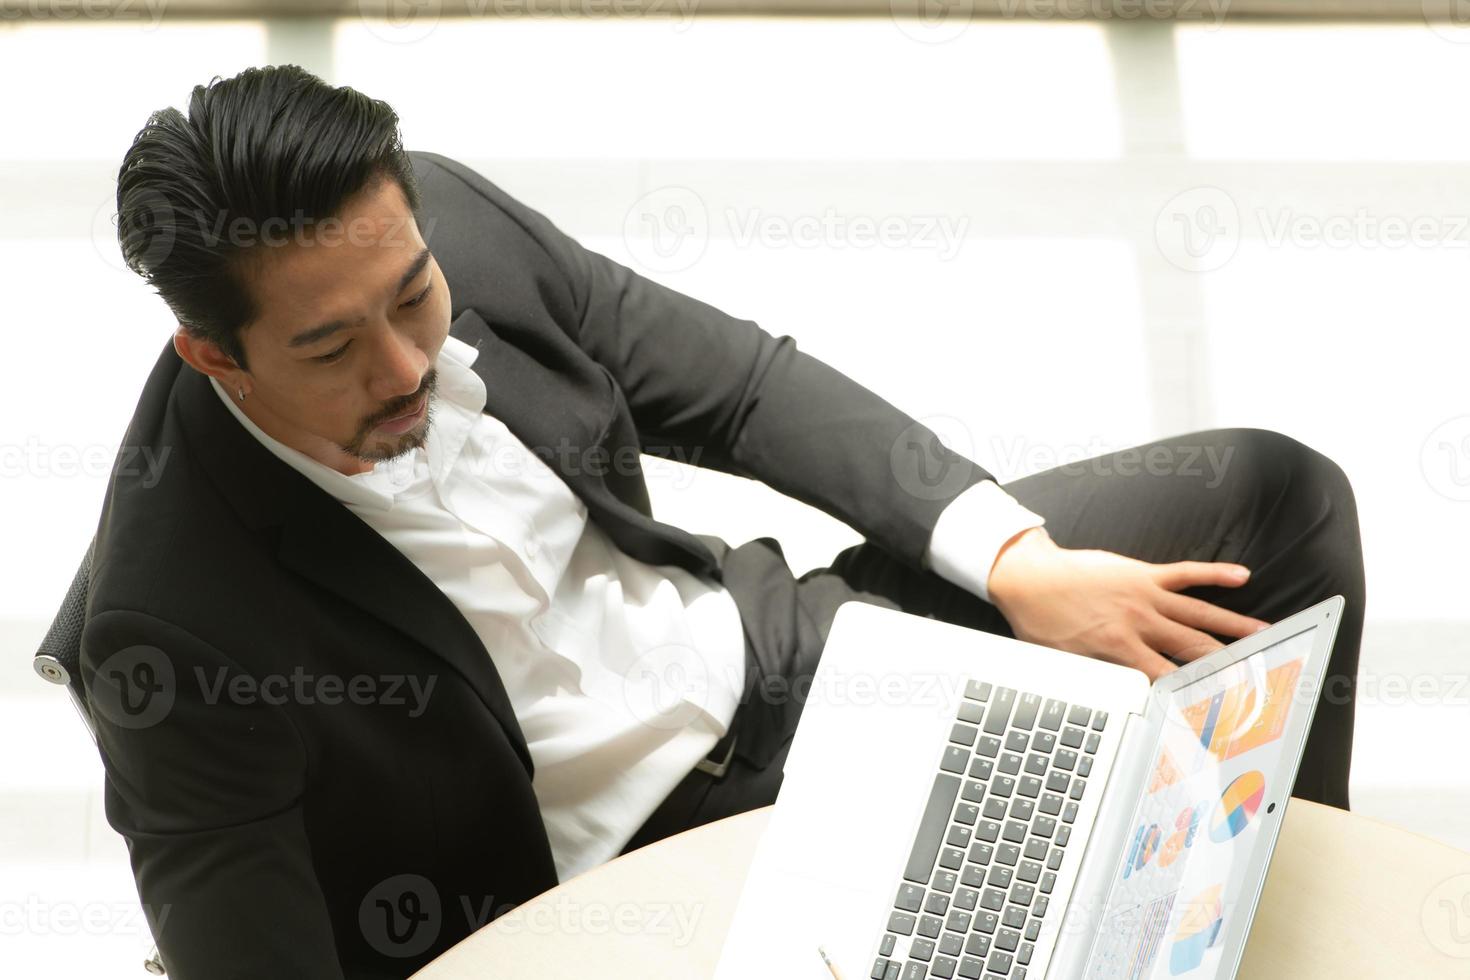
{"x": 242, "y": 393}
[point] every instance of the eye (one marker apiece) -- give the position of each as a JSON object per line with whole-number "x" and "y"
{"x": 334, "y": 355}
{"x": 419, "y": 299}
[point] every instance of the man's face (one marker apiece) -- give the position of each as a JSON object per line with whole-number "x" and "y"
{"x": 352, "y": 317}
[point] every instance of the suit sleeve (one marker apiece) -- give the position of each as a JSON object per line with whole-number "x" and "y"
{"x": 206, "y": 790}
{"x": 700, "y": 381}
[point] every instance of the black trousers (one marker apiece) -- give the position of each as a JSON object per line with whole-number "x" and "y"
{"x": 1249, "y": 496}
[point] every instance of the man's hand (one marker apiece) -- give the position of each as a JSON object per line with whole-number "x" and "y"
{"x": 1110, "y": 606}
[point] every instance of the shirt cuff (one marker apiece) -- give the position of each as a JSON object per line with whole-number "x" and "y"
{"x": 970, "y": 533}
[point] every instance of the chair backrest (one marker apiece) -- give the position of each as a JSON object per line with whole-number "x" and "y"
{"x": 58, "y": 657}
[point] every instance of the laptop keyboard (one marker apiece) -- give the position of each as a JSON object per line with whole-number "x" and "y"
{"x": 994, "y": 832}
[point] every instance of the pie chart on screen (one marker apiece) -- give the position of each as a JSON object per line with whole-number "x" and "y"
{"x": 1238, "y": 805}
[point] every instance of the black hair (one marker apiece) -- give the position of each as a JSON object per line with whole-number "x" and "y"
{"x": 268, "y": 147}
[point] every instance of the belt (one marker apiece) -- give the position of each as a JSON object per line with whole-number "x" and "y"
{"x": 717, "y": 763}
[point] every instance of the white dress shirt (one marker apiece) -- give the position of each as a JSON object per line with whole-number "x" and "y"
{"x": 622, "y": 675}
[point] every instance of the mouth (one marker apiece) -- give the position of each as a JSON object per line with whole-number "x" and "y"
{"x": 400, "y": 421}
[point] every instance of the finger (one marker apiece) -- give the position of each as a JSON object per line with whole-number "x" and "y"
{"x": 1176, "y": 575}
{"x": 1206, "y": 615}
{"x": 1179, "y": 641}
{"x": 1133, "y": 652}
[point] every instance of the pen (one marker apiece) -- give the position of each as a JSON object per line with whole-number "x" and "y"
{"x": 835, "y": 974}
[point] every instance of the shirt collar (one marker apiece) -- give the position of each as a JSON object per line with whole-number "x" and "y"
{"x": 458, "y": 401}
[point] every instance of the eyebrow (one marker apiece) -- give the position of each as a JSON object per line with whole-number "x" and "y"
{"x": 308, "y": 337}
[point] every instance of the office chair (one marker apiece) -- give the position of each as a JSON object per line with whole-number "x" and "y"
{"x": 57, "y": 661}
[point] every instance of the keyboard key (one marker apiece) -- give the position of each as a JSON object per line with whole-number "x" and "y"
{"x": 1052, "y": 714}
{"x": 1008, "y": 940}
{"x": 1054, "y": 859}
{"x": 929, "y": 926}
{"x": 999, "y": 961}
{"x": 1022, "y": 808}
{"x": 943, "y": 967}
{"x": 1037, "y": 764}
{"x": 958, "y": 836}
{"x": 1069, "y": 812}
{"x": 988, "y": 831}
{"x": 914, "y": 970}
{"x": 974, "y": 791}
{"x": 1026, "y": 709}
{"x": 901, "y": 923}
{"x": 981, "y": 768}
{"x": 1035, "y": 849}
{"x": 922, "y": 949}
{"x": 985, "y": 923}
{"x": 1044, "y": 826}
{"x": 1065, "y": 759}
{"x": 1014, "y": 917}
{"x": 988, "y": 747}
{"x": 963, "y": 734}
{"x": 958, "y": 920}
{"x": 999, "y": 712}
{"x": 1093, "y": 741}
{"x": 1099, "y": 720}
{"x": 981, "y": 853}
{"x": 1039, "y": 909}
{"x": 991, "y": 898}
{"x": 1016, "y": 741}
{"x": 885, "y": 948}
{"x": 955, "y": 759}
{"x": 1071, "y": 737}
{"x": 944, "y": 881}
{"x": 951, "y": 944}
{"x": 1021, "y": 894}
{"x": 1002, "y": 786}
{"x": 970, "y": 968}
{"x": 1029, "y": 786}
{"x": 1064, "y": 834}
{"x": 935, "y": 904}
{"x": 931, "y": 828}
{"x": 893, "y": 968}
{"x": 994, "y": 808}
{"x": 1033, "y": 929}
{"x": 1048, "y": 882}
{"x": 978, "y": 690}
{"x": 1010, "y": 763}
{"x": 1000, "y": 876}
{"x": 1084, "y": 766}
{"x": 967, "y": 814}
{"x": 1058, "y": 781}
{"x": 910, "y": 897}
{"x": 1051, "y": 804}
{"x": 1078, "y": 715}
{"x": 1007, "y": 854}
{"x": 973, "y": 876}
{"x": 1015, "y": 831}
{"x": 1043, "y": 741}
{"x": 1029, "y": 871}
{"x": 880, "y": 967}
{"x": 1023, "y": 955}
{"x": 1078, "y": 785}
{"x": 966, "y": 898}
{"x": 951, "y": 858}
{"x": 970, "y": 712}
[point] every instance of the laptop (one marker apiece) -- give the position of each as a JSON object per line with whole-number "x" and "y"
{"x": 957, "y": 804}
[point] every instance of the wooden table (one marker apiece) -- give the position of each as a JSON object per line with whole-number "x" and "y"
{"x": 1346, "y": 897}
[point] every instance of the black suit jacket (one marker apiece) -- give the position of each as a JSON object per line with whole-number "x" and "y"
{"x": 278, "y": 830}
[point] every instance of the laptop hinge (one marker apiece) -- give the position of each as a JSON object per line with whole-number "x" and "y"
{"x": 1104, "y": 847}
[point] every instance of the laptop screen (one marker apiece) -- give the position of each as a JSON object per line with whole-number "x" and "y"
{"x": 1196, "y": 833}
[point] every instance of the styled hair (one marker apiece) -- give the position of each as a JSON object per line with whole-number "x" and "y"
{"x": 267, "y": 149}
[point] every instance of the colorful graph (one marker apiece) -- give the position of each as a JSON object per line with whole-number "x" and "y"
{"x": 1199, "y": 927}
{"x": 1237, "y": 719}
{"x": 1238, "y": 805}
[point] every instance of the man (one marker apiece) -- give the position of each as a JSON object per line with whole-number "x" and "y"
{"x": 394, "y": 643}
